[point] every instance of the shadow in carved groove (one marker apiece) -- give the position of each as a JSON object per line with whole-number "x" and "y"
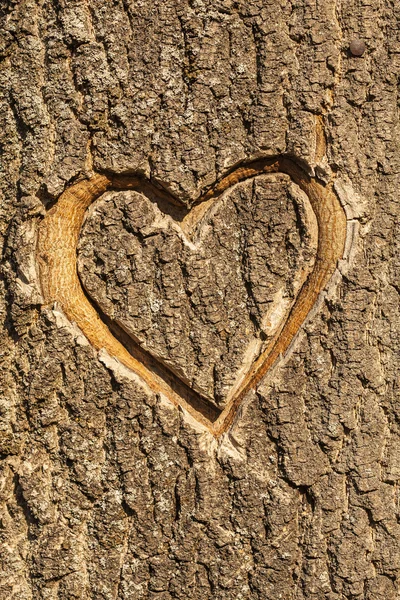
{"x": 56, "y": 254}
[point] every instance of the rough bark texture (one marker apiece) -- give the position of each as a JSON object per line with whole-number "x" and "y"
{"x": 107, "y": 491}
{"x": 203, "y": 305}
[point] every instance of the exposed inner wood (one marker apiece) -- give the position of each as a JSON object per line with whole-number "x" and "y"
{"x": 56, "y": 254}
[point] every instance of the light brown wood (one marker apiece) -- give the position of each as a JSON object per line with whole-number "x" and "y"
{"x": 56, "y": 254}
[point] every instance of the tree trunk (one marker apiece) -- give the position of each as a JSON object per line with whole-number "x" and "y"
{"x": 205, "y": 404}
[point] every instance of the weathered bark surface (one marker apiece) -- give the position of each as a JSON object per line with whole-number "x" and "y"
{"x": 108, "y": 491}
{"x": 202, "y": 304}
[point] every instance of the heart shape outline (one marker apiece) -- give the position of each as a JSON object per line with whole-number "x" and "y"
{"x": 57, "y": 261}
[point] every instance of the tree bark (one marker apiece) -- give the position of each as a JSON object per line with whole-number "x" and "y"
{"x": 112, "y": 488}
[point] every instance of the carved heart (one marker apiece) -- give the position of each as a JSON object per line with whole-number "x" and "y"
{"x": 58, "y": 238}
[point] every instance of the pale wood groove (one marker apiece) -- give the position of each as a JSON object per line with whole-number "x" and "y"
{"x": 56, "y": 254}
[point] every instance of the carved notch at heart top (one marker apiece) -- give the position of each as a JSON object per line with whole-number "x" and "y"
{"x": 56, "y": 253}
{"x": 204, "y": 302}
